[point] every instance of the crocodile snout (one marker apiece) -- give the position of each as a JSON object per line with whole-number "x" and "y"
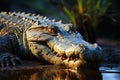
{"x": 67, "y": 49}
{"x": 86, "y": 51}
{"x": 93, "y": 52}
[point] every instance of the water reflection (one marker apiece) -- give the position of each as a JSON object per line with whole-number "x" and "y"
{"x": 51, "y": 74}
{"x": 65, "y": 74}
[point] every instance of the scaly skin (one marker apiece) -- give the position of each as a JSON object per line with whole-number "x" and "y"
{"x": 33, "y": 36}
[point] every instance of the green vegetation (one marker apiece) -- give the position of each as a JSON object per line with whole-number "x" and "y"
{"x": 87, "y": 9}
{"x": 84, "y": 12}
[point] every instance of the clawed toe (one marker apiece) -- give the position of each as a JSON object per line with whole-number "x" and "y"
{"x": 9, "y": 60}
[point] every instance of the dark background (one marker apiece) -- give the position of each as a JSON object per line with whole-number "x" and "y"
{"x": 107, "y": 28}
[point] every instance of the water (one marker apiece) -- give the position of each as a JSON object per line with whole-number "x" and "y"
{"x": 110, "y": 73}
{"x": 57, "y": 73}
{"x": 111, "y": 76}
{"x": 51, "y": 74}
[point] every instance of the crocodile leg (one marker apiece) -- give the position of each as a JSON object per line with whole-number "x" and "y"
{"x": 6, "y": 58}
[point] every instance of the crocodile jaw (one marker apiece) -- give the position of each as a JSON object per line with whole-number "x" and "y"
{"x": 66, "y": 49}
{"x": 45, "y": 54}
{"x": 67, "y": 54}
{"x": 76, "y": 54}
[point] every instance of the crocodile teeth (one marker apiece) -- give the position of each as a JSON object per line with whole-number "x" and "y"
{"x": 69, "y": 52}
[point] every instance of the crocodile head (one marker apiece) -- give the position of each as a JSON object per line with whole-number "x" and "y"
{"x": 61, "y": 44}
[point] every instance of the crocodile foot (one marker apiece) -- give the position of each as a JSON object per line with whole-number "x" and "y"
{"x": 7, "y": 59}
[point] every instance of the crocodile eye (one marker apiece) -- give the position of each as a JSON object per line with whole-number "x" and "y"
{"x": 51, "y": 30}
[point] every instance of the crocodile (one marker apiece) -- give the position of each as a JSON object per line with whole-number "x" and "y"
{"x": 35, "y": 37}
